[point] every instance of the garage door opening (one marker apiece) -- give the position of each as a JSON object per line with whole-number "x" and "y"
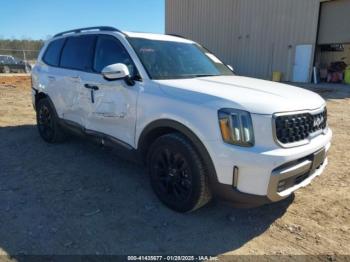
{"x": 333, "y": 63}
{"x": 332, "y": 57}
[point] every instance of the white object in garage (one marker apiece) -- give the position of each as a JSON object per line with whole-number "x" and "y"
{"x": 301, "y": 70}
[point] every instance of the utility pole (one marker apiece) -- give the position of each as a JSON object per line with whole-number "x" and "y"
{"x": 25, "y": 61}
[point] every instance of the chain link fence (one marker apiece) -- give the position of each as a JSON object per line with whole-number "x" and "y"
{"x": 18, "y": 55}
{"x": 17, "y": 60}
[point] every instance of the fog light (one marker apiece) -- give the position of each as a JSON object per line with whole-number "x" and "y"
{"x": 281, "y": 186}
{"x": 282, "y": 183}
{"x": 280, "y": 189}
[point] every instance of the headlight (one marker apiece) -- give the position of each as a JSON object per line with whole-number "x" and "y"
{"x": 236, "y": 127}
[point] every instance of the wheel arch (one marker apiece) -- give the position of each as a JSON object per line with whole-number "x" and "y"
{"x": 41, "y": 95}
{"x": 165, "y": 126}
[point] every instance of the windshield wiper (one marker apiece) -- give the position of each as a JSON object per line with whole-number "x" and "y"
{"x": 204, "y": 75}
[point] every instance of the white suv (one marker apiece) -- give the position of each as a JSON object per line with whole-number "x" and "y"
{"x": 201, "y": 130}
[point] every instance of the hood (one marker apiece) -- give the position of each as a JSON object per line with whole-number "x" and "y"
{"x": 250, "y": 94}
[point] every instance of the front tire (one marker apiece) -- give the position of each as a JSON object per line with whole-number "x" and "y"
{"x": 178, "y": 174}
{"x": 48, "y": 122}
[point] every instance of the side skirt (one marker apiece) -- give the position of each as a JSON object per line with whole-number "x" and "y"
{"x": 121, "y": 148}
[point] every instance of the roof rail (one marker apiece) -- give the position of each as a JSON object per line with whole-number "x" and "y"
{"x": 79, "y": 30}
{"x": 176, "y": 35}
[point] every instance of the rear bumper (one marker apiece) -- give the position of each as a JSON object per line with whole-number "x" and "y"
{"x": 34, "y": 93}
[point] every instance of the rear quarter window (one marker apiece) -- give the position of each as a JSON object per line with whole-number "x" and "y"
{"x": 53, "y": 51}
{"x": 78, "y": 53}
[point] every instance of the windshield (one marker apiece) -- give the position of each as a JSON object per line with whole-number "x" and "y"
{"x": 176, "y": 60}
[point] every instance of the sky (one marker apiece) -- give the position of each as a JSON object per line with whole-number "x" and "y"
{"x": 39, "y": 19}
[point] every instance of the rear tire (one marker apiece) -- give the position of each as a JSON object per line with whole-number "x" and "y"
{"x": 178, "y": 174}
{"x": 48, "y": 122}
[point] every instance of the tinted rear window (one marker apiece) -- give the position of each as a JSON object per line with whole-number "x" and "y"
{"x": 78, "y": 53}
{"x": 52, "y": 54}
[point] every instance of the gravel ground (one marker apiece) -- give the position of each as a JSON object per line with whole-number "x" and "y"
{"x": 80, "y": 198}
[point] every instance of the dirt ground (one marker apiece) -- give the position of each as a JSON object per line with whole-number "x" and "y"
{"x": 79, "y": 198}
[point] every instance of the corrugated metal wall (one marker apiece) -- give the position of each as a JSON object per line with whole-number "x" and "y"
{"x": 255, "y": 36}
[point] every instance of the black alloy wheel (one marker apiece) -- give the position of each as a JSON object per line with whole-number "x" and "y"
{"x": 48, "y": 122}
{"x": 45, "y": 123}
{"x": 178, "y": 174}
{"x": 173, "y": 176}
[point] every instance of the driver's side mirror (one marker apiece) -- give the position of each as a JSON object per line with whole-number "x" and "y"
{"x": 115, "y": 72}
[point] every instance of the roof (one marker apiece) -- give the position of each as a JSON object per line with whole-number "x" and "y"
{"x": 151, "y": 36}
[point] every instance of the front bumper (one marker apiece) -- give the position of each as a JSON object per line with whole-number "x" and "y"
{"x": 292, "y": 176}
{"x": 260, "y": 170}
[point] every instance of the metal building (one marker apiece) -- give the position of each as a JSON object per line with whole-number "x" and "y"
{"x": 258, "y": 37}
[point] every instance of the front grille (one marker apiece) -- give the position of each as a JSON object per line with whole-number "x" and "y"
{"x": 298, "y": 127}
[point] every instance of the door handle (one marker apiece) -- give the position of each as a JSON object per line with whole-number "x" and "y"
{"x": 75, "y": 78}
{"x": 52, "y": 78}
{"x": 92, "y": 87}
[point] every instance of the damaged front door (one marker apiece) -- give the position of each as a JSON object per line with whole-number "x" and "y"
{"x": 112, "y": 109}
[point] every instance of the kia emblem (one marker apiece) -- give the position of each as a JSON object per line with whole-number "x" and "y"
{"x": 318, "y": 121}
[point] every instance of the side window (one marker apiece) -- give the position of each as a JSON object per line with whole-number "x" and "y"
{"x": 78, "y": 53}
{"x": 12, "y": 60}
{"x": 53, "y": 51}
{"x": 110, "y": 51}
